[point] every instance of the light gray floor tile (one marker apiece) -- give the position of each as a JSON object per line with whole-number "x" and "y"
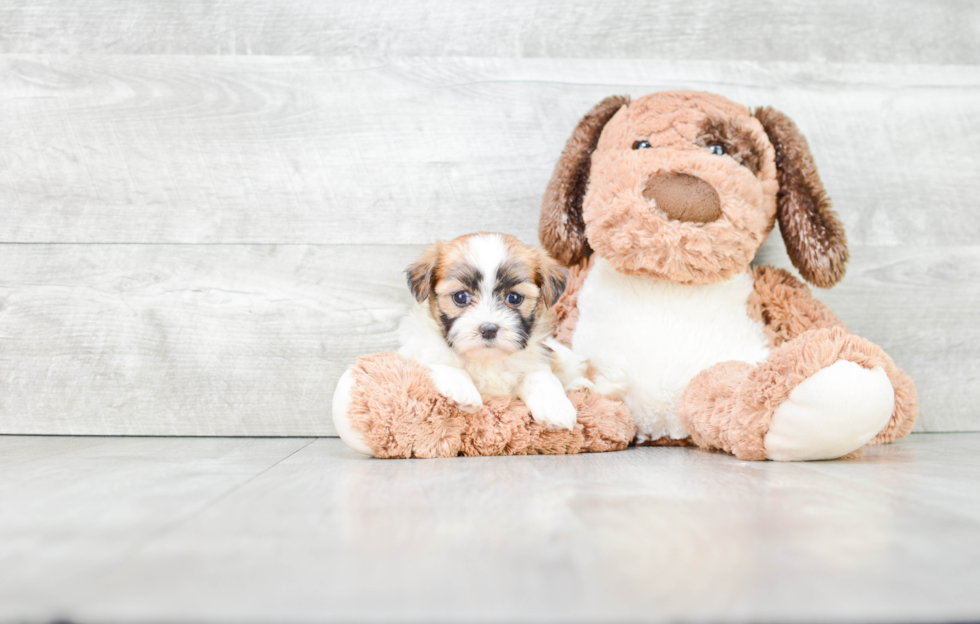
{"x": 232, "y": 530}
{"x": 72, "y": 508}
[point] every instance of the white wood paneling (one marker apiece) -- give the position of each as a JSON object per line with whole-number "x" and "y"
{"x": 885, "y": 31}
{"x": 250, "y": 339}
{"x": 207, "y": 205}
{"x": 182, "y": 149}
{"x": 198, "y": 530}
{"x": 189, "y": 339}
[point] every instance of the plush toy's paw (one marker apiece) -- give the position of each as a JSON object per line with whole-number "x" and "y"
{"x": 835, "y": 411}
{"x": 341, "y": 414}
{"x": 457, "y": 386}
{"x": 546, "y": 400}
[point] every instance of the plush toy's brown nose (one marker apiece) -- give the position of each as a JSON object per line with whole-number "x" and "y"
{"x": 684, "y": 197}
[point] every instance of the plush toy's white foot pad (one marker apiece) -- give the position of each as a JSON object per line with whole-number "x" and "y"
{"x": 836, "y": 411}
{"x": 341, "y": 420}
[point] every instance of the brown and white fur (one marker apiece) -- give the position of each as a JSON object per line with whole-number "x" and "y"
{"x": 483, "y": 322}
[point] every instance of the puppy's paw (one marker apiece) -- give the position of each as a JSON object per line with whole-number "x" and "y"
{"x": 569, "y": 367}
{"x": 580, "y": 383}
{"x": 558, "y": 413}
{"x": 608, "y": 388}
{"x": 457, "y": 386}
{"x": 545, "y": 398}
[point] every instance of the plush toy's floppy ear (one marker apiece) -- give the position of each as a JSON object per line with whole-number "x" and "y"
{"x": 420, "y": 273}
{"x": 812, "y": 232}
{"x": 552, "y": 278}
{"x": 562, "y": 230}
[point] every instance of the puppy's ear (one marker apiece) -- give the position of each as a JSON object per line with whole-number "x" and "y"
{"x": 813, "y": 234}
{"x": 561, "y": 229}
{"x": 552, "y": 277}
{"x": 421, "y": 274}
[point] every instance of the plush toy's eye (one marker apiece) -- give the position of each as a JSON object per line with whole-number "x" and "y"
{"x": 514, "y": 299}
{"x": 717, "y": 149}
{"x": 461, "y": 298}
{"x": 642, "y": 144}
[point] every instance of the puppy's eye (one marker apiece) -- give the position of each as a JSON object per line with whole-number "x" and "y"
{"x": 461, "y": 298}
{"x": 642, "y": 144}
{"x": 514, "y": 299}
{"x": 717, "y": 149}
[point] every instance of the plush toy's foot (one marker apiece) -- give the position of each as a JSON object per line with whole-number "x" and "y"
{"x": 821, "y": 395}
{"x": 341, "y": 415}
{"x": 835, "y": 411}
{"x": 387, "y": 405}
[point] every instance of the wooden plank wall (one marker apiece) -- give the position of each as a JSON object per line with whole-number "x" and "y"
{"x": 207, "y": 205}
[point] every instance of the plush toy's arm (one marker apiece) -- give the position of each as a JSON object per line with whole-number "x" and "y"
{"x": 566, "y": 310}
{"x": 387, "y": 405}
{"x": 786, "y": 307}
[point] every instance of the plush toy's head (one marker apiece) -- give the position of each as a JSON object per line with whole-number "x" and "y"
{"x": 685, "y": 186}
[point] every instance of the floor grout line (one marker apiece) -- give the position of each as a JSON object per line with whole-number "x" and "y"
{"x": 221, "y": 497}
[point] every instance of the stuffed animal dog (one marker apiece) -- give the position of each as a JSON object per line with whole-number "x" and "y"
{"x": 660, "y": 204}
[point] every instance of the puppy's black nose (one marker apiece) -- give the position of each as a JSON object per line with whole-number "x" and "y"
{"x": 489, "y": 331}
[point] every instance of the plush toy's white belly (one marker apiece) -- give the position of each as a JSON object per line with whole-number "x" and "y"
{"x": 648, "y": 338}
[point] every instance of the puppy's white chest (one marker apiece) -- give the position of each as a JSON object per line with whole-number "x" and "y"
{"x": 648, "y": 338}
{"x": 497, "y": 377}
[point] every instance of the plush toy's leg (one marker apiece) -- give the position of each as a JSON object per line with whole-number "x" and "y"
{"x": 835, "y": 411}
{"x": 386, "y": 405}
{"x": 906, "y": 405}
{"x": 820, "y": 396}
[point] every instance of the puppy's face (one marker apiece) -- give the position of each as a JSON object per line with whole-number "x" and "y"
{"x": 491, "y": 295}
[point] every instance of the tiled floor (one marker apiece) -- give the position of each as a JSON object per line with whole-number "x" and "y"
{"x": 297, "y": 530}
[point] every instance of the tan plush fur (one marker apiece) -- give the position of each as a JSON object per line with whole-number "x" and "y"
{"x": 398, "y": 413}
{"x": 729, "y": 405}
{"x": 636, "y": 237}
{"x": 634, "y": 218}
{"x": 566, "y": 310}
{"x": 906, "y": 406}
{"x": 785, "y": 306}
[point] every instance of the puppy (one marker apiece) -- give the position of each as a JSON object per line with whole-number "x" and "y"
{"x": 483, "y": 324}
